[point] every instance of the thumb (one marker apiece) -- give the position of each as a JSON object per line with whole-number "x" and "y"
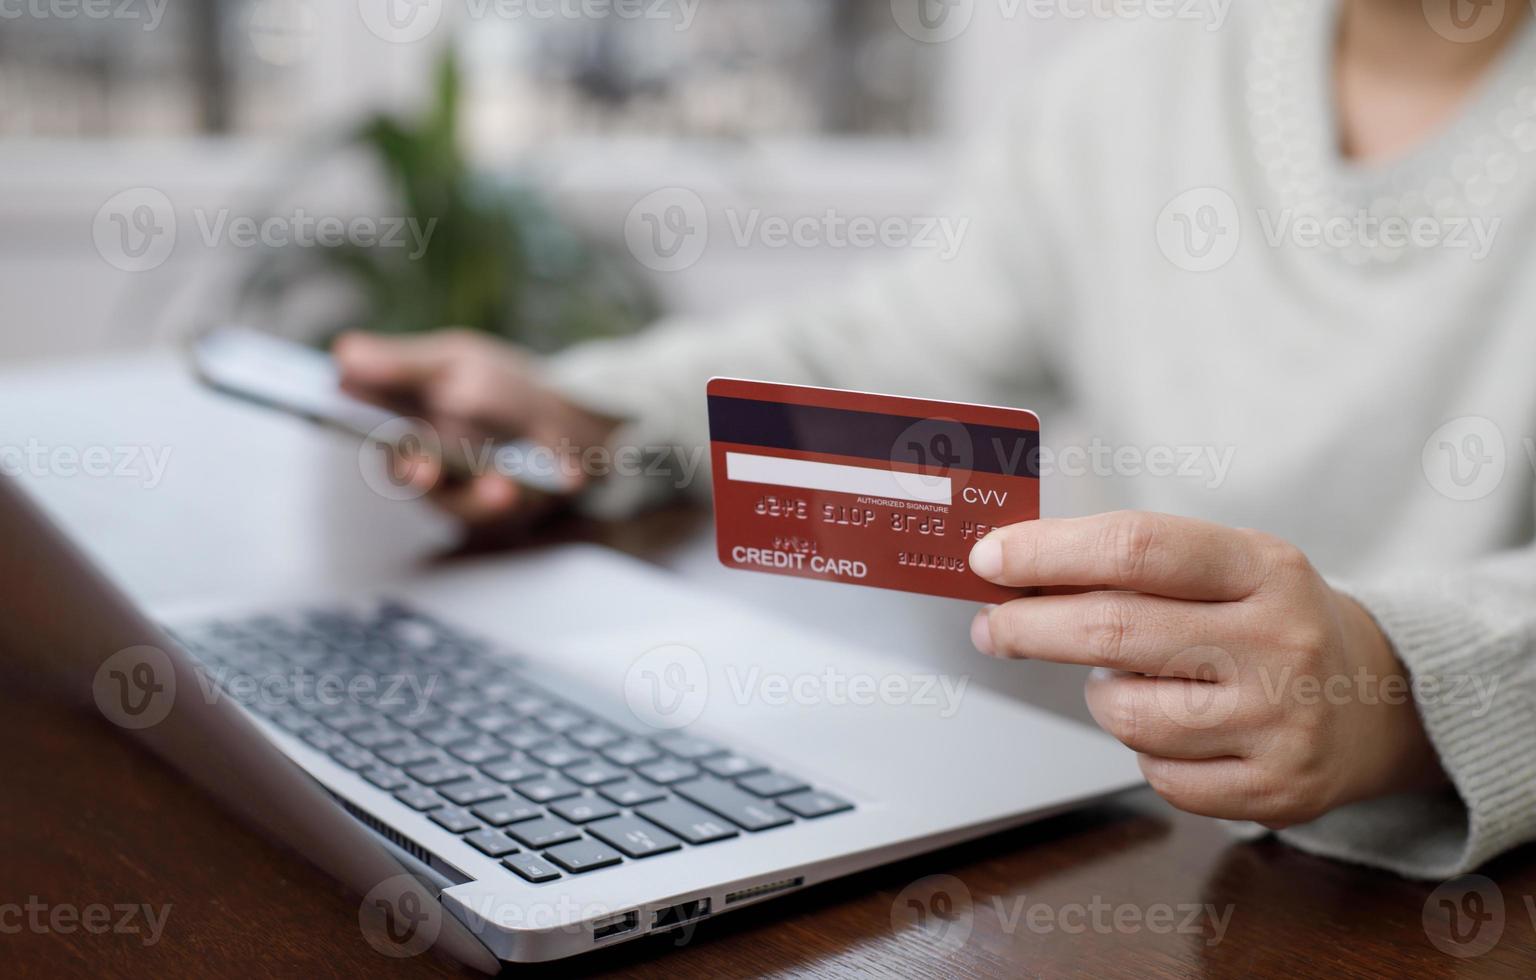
{"x": 371, "y": 361}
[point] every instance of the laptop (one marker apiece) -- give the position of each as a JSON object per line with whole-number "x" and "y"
{"x": 533, "y": 757}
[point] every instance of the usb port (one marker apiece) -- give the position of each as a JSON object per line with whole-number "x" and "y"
{"x": 614, "y": 925}
{"x": 676, "y": 915}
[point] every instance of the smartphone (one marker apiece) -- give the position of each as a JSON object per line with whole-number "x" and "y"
{"x": 290, "y": 377}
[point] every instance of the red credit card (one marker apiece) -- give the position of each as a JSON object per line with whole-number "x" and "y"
{"x": 867, "y": 489}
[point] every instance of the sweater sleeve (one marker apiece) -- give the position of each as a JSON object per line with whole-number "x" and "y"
{"x": 964, "y": 326}
{"x": 1468, "y": 640}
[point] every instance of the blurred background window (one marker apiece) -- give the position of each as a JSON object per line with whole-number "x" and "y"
{"x": 705, "y": 68}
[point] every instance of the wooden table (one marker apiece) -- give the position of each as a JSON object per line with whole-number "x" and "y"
{"x": 1118, "y": 890}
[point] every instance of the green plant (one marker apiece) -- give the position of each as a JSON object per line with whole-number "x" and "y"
{"x": 498, "y": 259}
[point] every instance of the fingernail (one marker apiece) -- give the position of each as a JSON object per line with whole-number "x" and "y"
{"x": 987, "y": 557}
{"x": 981, "y": 630}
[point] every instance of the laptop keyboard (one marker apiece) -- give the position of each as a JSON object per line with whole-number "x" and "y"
{"x": 429, "y": 715}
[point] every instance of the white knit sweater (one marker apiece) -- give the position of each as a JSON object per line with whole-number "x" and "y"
{"x": 1163, "y": 232}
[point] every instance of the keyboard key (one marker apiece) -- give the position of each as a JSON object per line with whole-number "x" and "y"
{"x": 634, "y": 836}
{"x": 376, "y": 737}
{"x": 547, "y": 789}
{"x": 668, "y": 771}
{"x": 632, "y": 792}
{"x": 293, "y": 720}
{"x": 558, "y": 755}
{"x": 630, "y": 753}
{"x": 324, "y": 740}
{"x": 688, "y": 747}
{"x": 437, "y": 773}
{"x": 524, "y": 737}
{"x": 814, "y": 804}
{"x": 771, "y": 784}
{"x": 445, "y": 735}
{"x": 478, "y": 751}
{"x": 492, "y": 843}
{"x": 543, "y": 832}
{"x": 528, "y": 704}
{"x": 388, "y": 779}
{"x": 512, "y": 770}
{"x": 738, "y": 806}
{"x": 346, "y": 718}
{"x": 559, "y": 720}
{"x": 593, "y": 737}
{"x": 492, "y": 720}
{"x": 596, "y": 773}
{"x": 731, "y": 766}
{"x": 410, "y": 754}
{"x": 580, "y": 809}
{"x": 416, "y": 717}
{"x": 473, "y": 791}
{"x": 351, "y": 756}
{"x": 583, "y": 855}
{"x": 531, "y": 867}
{"x": 419, "y": 799}
{"x": 499, "y": 813}
{"x": 455, "y": 820}
{"x": 687, "y": 821}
